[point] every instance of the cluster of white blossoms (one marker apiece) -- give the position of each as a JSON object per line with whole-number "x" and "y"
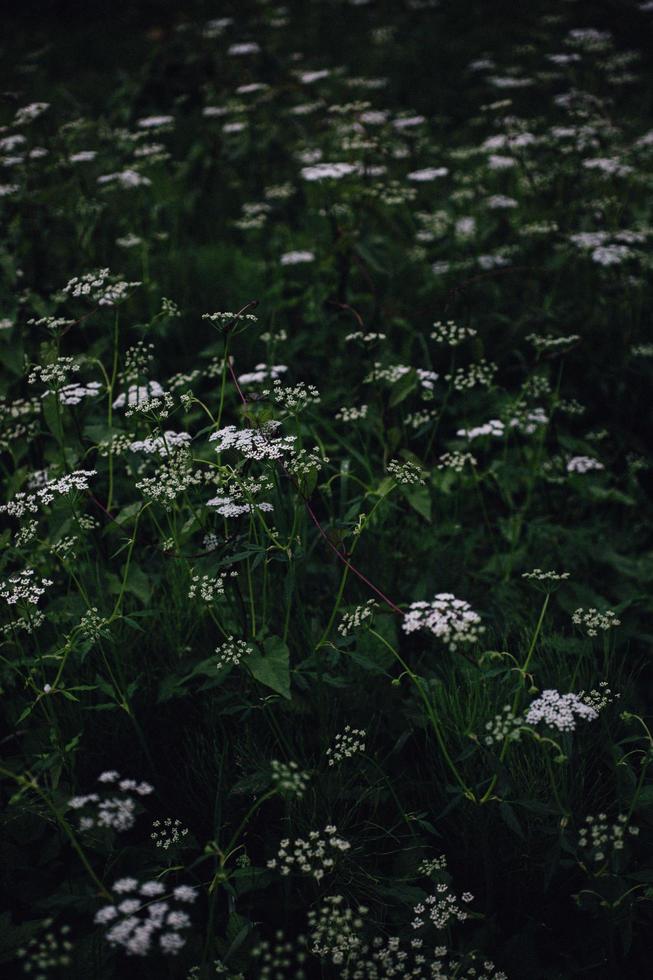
{"x": 540, "y": 576}
{"x": 315, "y": 856}
{"x": 599, "y": 837}
{"x": 352, "y": 413}
{"x": 275, "y": 960}
{"x": 407, "y": 473}
{"x": 559, "y": 711}
{"x": 292, "y": 397}
{"x": 358, "y": 336}
{"x": 450, "y": 333}
{"x": 335, "y": 929}
{"x": 168, "y": 832}
{"x": 74, "y": 394}
{"x": 162, "y": 444}
{"x": 350, "y": 741}
{"x": 441, "y": 908}
{"x": 144, "y": 914}
{"x": 479, "y": 373}
{"x": 357, "y": 618}
{"x": 449, "y": 619}
{"x": 100, "y": 287}
{"x": 592, "y": 620}
{"x": 583, "y": 464}
{"x": 298, "y": 257}
{"x": 24, "y": 586}
{"x": 160, "y": 406}
{"x": 174, "y": 476}
{"x": 456, "y": 461}
{"x": 288, "y": 779}
{"x": 115, "y": 807}
{"x": 55, "y": 374}
{"x": 390, "y": 373}
{"x": 138, "y": 394}
{"x": 232, "y": 651}
{"x": 505, "y": 727}
{"x": 256, "y": 444}
{"x": 207, "y": 587}
{"x": 24, "y": 503}
{"x": 547, "y": 343}
{"x": 47, "y": 951}
{"x": 329, "y": 171}
{"x": 495, "y": 427}
{"x": 261, "y": 373}
{"x": 127, "y": 179}
{"x": 599, "y": 697}
{"x": 226, "y": 319}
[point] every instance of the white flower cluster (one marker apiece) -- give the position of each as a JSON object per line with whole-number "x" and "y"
{"x": 224, "y": 319}
{"x": 127, "y": 179}
{"x": 100, "y": 287}
{"x": 559, "y": 711}
{"x": 47, "y": 951}
{"x": 24, "y": 503}
{"x": 56, "y": 374}
{"x": 172, "y": 478}
{"x": 548, "y": 344}
{"x": 456, "y": 461}
{"x": 302, "y": 462}
{"x": 407, "y": 473}
{"x": 138, "y": 394}
{"x": 392, "y": 373}
{"x": 334, "y": 929}
{"x": 480, "y": 373}
{"x": 494, "y": 427}
{"x": 118, "y": 810}
{"x": 23, "y": 587}
{"x": 232, "y": 651}
{"x": 207, "y": 587}
{"x": 161, "y": 406}
{"x": 441, "y": 908}
{"x": 583, "y": 464}
{"x": 350, "y": 741}
{"x": 505, "y": 727}
{"x": 288, "y": 779}
{"x": 449, "y": 619}
{"x": 314, "y": 856}
{"x": 74, "y": 394}
{"x": 599, "y": 698}
{"x": 598, "y": 837}
{"x": 168, "y": 832}
{"x": 275, "y": 960}
{"x": 364, "y": 338}
{"x": 358, "y": 617}
{"x": 298, "y": 257}
{"x": 161, "y": 444}
{"x": 293, "y": 397}
{"x": 592, "y": 620}
{"x": 253, "y": 443}
{"x": 539, "y": 576}
{"x": 143, "y": 914}
{"x": 262, "y": 372}
{"x": 329, "y": 171}
{"x": 431, "y": 866}
{"x": 450, "y": 333}
{"x": 352, "y": 414}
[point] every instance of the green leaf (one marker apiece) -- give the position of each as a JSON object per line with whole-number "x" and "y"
{"x": 419, "y": 499}
{"x": 271, "y": 666}
{"x": 53, "y": 417}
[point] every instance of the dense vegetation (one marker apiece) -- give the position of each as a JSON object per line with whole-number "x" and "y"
{"x": 326, "y": 632}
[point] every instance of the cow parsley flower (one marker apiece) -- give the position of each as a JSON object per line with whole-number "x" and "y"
{"x": 449, "y": 619}
{"x": 559, "y": 711}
